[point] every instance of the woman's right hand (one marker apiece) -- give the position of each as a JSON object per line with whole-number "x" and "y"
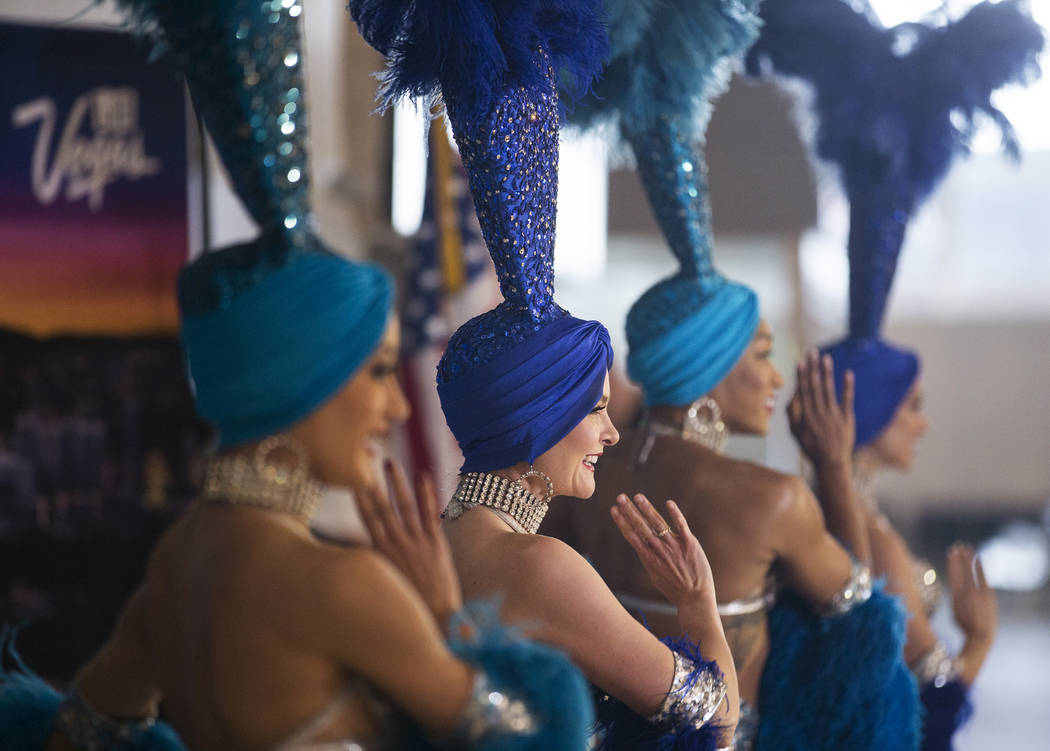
{"x": 412, "y": 539}
{"x": 672, "y": 555}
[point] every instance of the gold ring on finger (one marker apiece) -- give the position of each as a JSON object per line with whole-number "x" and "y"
{"x": 664, "y": 531}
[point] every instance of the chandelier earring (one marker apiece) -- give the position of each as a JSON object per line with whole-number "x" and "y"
{"x": 703, "y": 424}
{"x": 533, "y": 472}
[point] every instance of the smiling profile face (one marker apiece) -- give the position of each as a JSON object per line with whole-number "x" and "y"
{"x": 344, "y": 436}
{"x": 747, "y": 396}
{"x": 571, "y": 461}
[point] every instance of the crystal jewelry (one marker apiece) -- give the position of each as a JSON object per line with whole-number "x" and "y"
{"x": 261, "y": 482}
{"x": 533, "y": 472}
{"x": 701, "y": 424}
{"x": 515, "y": 504}
{"x": 693, "y": 698}
{"x": 856, "y": 591}
{"x": 490, "y": 712}
{"x": 88, "y": 729}
{"x": 936, "y": 666}
{"x": 664, "y": 531}
{"x": 864, "y": 480}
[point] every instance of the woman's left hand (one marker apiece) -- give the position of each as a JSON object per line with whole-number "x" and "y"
{"x": 671, "y": 554}
{"x": 973, "y": 601}
{"x": 825, "y": 427}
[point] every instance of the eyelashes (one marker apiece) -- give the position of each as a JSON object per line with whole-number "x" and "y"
{"x": 380, "y": 371}
{"x": 598, "y": 409}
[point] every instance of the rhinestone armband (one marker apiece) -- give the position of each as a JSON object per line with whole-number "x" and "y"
{"x": 694, "y": 696}
{"x": 936, "y": 666}
{"x": 491, "y": 712}
{"x": 90, "y": 730}
{"x": 856, "y": 591}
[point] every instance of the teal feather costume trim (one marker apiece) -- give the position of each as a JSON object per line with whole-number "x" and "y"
{"x": 838, "y": 682}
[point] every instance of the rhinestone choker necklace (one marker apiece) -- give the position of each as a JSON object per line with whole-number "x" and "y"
{"x": 522, "y": 510}
{"x": 259, "y": 482}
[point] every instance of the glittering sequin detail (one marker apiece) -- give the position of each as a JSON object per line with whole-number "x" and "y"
{"x": 876, "y": 233}
{"x": 492, "y": 713}
{"x": 856, "y": 591}
{"x": 746, "y": 728}
{"x": 511, "y": 158}
{"x": 523, "y": 510}
{"x": 929, "y": 585}
{"x": 243, "y": 64}
{"x": 693, "y": 698}
{"x": 936, "y": 666}
{"x": 673, "y": 171}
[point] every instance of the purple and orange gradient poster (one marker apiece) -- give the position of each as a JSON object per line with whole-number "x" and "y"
{"x": 93, "y": 207}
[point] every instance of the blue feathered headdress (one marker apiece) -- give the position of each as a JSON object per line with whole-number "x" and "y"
{"x": 669, "y": 60}
{"x": 480, "y": 48}
{"x": 251, "y": 315}
{"x": 893, "y": 107}
{"x": 515, "y": 380}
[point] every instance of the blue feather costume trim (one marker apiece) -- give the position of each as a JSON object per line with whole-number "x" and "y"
{"x": 480, "y": 48}
{"x": 541, "y": 676}
{"x": 621, "y": 729}
{"x": 837, "y": 682}
{"x": 28, "y": 707}
{"x": 945, "y": 709}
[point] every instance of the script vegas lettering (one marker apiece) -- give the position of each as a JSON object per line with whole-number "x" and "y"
{"x": 87, "y": 163}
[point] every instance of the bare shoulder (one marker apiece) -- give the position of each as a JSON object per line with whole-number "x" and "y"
{"x": 539, "y": 572}
{"x": 355, "y": 576}
{"x": 770, "y": 491}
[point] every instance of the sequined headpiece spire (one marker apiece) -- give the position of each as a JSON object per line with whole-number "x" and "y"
{"x": 669, "y": 60}
{"x": 253, "y": 314}
{"x": 515, "y": 380}
{"x": 894, "y": 108}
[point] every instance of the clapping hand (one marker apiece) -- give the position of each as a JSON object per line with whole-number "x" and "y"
{"x": 973, "y": 601}
{"x": 672, "y": 555}
{"x": 824, "y": 427}
{"x": 412, "y": 538}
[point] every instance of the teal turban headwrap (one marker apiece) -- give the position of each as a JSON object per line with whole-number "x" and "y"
{"x": 271, "y": 328}
{"x": 668, "y": 61}
{"x": 685, "y": 335}
{"x": 285, "y": 344}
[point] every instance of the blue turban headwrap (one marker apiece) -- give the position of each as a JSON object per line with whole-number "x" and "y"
{"x": 668, "y": 61}
{"x": 271, "y": 328}
{"x": 515, "y": 380}
{"x": 894, "y": 107}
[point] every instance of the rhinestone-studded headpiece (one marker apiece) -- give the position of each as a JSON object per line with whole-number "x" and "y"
{"x": 669, "y": 60}
{"x": 515, "y": 380}
{"x": 511, "y": 159}
{"x": 894, "y": 107}
{"x": 252, "y": 314}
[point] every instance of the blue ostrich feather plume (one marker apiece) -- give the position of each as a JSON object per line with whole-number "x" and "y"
{"x": 894, "y": 107}
{"x": 480, "y": 48}
{"x": 838, "y": 682}
{"x": 667, "y": 58}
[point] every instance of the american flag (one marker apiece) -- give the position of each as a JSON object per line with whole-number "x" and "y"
{"x": 450, "y": 280}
